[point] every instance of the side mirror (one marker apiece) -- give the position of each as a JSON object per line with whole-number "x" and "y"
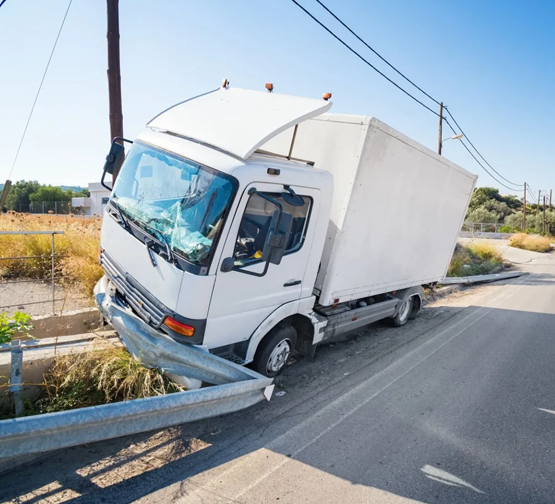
{"x": 278, "y": 236}
{"x": 114, "y": 159}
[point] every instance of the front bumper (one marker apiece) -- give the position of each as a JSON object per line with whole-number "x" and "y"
{"x": 157, "y": 350}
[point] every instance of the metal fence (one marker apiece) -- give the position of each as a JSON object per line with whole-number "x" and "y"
{"x": 50, "y": 207}
{"x": 50, "y": 269}
{"x": 486, "y": 227}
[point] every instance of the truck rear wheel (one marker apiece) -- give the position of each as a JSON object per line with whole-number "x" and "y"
{"x": 403, "y": 313}
{"x": 274, "y": 351}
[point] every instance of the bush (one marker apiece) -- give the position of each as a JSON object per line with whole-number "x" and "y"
{"x": 475, "y": 259}
{"x": 535, "y": 243}
{"x": 106, "y": 374}
{"x": 10, "y": 325}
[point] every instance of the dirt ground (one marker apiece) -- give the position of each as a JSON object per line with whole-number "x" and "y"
{"x": 35, "y": 298}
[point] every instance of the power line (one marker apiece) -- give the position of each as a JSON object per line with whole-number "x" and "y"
{"x": 477, "y": 160}
{"x": 40, "y": 86}
{"x": 362, "y": 58}
{"x": 530, "y": 193}
{"x": 478, "y": 152}
{"x": 406, "y": 92}
{"x": 2, "y": 2}
{"x": 378, "y": 54}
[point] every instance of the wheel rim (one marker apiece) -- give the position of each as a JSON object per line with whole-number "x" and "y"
{"x": 279, "y": 356}
{"x": 405, "y": 309}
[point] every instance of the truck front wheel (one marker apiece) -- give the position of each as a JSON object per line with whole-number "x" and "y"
{"x": 274, "y": 351}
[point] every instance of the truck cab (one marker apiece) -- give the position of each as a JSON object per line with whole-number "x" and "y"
{"x": 212, "y": 243}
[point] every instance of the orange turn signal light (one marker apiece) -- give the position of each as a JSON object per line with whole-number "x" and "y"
{"x": 178, "y": 327}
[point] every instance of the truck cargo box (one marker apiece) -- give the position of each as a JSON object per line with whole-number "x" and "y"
{"x": 397, "y": 206}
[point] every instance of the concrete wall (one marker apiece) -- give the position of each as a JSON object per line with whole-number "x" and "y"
{"x": 98, "y": 195}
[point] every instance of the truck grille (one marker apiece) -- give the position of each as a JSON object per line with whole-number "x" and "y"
{"x": 146, "y": 308}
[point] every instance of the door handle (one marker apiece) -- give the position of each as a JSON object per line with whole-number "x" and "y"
{"x": 292, "y": 283}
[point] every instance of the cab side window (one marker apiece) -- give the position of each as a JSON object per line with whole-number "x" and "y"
{"x": 255, "y": 225}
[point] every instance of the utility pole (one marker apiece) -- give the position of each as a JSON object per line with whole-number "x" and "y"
{"x": 524, "y": 210}
{"x": 440, "y": 128}
{"x": 114, "y": 75}
{"x": 550, "y": 196}
{"x": 539, "y": 199}
{"x": 544, "y": 226}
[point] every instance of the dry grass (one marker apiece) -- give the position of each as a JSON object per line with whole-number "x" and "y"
{"x": 477, "y": 258}
{"x": 486, "y": 252}
{"x": 78, "y": 248}
{"x": 535, "y": 243}
{"x": 106, "y": 374}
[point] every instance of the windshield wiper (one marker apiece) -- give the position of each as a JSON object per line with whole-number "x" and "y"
{"x": 157, "y": 234}
{"x": 120, "y": 214}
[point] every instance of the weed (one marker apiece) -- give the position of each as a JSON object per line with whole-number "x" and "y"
{"x": 475, "y": 259}
{"x": 10, "y": 325}
{"x": 108, "y": 373}
{"x": 535, "y": 243}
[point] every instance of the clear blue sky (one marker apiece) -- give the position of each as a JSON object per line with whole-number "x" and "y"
{"x": 491, "y": 62}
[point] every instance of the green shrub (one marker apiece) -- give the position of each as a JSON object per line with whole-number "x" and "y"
{"x": 10, "y": 325}
{"x": 475, "y": 259}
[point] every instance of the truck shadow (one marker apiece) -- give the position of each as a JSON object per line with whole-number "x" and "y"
{"x": 437, "y": 458}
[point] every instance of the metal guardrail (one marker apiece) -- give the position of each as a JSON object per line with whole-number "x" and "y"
{"x": 236, "y": 388}
{"x": 477, "y": 279}
{"x": 52, "y": 257}
{"x": 35, "y": 434}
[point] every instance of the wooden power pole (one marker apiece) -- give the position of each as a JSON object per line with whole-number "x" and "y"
{"x": 550, "y": 196}
{"x": 524, "y": 210}
{"x": 114, "y": 75}
{"x": 544, "y": 223}
{"x": 440, "y": 129}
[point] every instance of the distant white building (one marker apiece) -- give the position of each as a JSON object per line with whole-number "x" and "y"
{"x": 97, "y": 201}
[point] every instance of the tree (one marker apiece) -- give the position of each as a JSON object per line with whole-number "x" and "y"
{"x": 18, "y": 197}
{"x": 482, "y": 215}
{"x": 514, "y": 220}
{"x": 49, "y": 193}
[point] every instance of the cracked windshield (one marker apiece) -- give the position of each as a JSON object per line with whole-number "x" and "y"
{"x": 178, "y": 201}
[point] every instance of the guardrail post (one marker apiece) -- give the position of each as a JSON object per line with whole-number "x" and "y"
{"x": 15, "y": 375}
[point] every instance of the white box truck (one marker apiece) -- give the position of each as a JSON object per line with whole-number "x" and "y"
{"x": 252, "y": 224}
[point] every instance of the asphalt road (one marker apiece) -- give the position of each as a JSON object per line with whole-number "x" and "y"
{"x": 458, "y": 407}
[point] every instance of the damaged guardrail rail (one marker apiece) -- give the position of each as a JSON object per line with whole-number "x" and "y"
{"x": 235, "y": 388}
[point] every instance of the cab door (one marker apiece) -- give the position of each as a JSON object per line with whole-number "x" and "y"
{"x": 240, "y": 301}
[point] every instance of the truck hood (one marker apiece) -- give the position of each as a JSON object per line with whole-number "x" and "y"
{"x": 237, "y": 121}
{"x": 132, "y": 259}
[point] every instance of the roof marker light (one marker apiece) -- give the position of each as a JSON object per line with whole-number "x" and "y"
{"x": 225, "y": 84}
{"x": 326, "y": 96}
{"x": 269, "y": 86}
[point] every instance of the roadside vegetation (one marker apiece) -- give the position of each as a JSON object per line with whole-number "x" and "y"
{"x": 488, "y": 206}
{"x": 76, "y": 261}
{"x": 477, "y": 258}
{"x": 106, "y": 374}
{"x": 534, "y": 243}
{"x": 24, "y": 193}
{"x": 13, "y": 326}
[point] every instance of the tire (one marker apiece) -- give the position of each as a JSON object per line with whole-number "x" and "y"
{"x": 274, "y": 351}
{"x": 403, "y": 313}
